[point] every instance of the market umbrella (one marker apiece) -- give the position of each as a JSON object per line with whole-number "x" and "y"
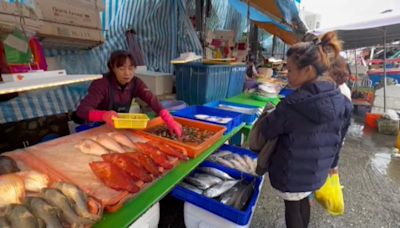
{"x": 369, "y": 33}
{"x": 283, "y": 30}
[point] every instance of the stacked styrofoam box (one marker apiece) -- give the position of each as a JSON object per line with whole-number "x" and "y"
{"x": 159, "y": 83}
{"x": 149, "y": 219}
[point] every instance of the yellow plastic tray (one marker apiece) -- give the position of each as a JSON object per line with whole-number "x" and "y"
{"x": 131, "y": 121}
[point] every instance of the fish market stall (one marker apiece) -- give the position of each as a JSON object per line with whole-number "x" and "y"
{"x": 78, "y": 162}
{"x": 248, "y": 99}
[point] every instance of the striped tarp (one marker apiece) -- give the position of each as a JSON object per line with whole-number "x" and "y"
{"x": 222, "y": 17}
{"x": 42, "y": 103}
{"x": 163, "y": 31}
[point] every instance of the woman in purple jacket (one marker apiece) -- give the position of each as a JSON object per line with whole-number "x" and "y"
{"x": 310, "y": 125}
{"x": 114, "y": 92}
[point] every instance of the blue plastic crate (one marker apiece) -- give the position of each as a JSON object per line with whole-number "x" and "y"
{"x": 197, "y": 84}
{"x": 236, "y": 81}
{"x": 247, "y": 118}
{"x": 238, "y": 150}
{"x": 190, "y": 113}
{"x": 235, "y": 150}
{"x": 232, "y": 214}
{"x": 376, "y": 78}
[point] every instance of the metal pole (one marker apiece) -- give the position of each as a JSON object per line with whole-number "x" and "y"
{"x": 248, "y": 24}
{"x": 284, "y": 51}
{"x": 384, "y": 69}
{"x": 273, "y": 45}
{"x": 199, "y": 20}
{"x": 355, "y": 64}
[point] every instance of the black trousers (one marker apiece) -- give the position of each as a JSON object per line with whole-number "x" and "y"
{"x": 297, "y": 213}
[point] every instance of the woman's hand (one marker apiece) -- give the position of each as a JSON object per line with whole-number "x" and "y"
{"x": 108, "y": 118}
{"x": 174, "y": 127}
{"x": 334, "y": 171}
{"x": 103, "y": 116}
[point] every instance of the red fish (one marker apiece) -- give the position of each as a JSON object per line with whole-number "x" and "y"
{"x": 158, "y": 157}
{"x": 113, "y": 177}
{"x": 146, "y": 162}
{"x": 170, "y": 151}
{"x": 128, "y": 165}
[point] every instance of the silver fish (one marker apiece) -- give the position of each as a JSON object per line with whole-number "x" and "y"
{"x": 4, "y": 222}
{"x": 56, "y": 198}
{"x": 243, "y": 196}
{"x": 78, "y": 199}
{"x": 255, "y": 165}
{"x": 41, "y": 209}
{"x": 207, "y": 177}
{"x": 228, "y": 198}
{"x": 20, "y": 216}
{"x": 225, "y": 163}
{"x": 216, "y": 172}
{"x": 191, "y": 188}
{"x": 250, "y": 162}
{"x": 237, "y": 165}
{"x": 222, "y": 153}
{"x": 241, "y": 160}
{"x": 203, "y": 181}
{"x": 220, "y": 188}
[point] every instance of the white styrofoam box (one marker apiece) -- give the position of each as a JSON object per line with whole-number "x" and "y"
{"x": 197, "y": 217}
{"x": 53, "y": 63}
{"x": 158, "y": 83}
{"x": 14, "y": 77}
{"x": 149, "y": 219}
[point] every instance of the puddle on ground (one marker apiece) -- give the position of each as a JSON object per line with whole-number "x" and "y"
{"x": 387, "y": 165}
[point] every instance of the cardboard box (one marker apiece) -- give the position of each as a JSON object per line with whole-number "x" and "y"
{"x": 74, "y": 33}
{"x": 32, "y": 75}
{"x": 70, "y": 13}
{"x": 9, "y": 22}
{"x": 19, "y": 10}
{"x": 98, "y": 3}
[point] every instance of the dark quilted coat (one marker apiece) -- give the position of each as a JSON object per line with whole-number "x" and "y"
{"x": 310, "y": 124}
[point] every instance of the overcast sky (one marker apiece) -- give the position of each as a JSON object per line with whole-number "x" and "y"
{"x": 341, "y": 12}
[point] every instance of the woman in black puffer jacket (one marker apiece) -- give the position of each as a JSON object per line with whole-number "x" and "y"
{"x": 310, "y": 125}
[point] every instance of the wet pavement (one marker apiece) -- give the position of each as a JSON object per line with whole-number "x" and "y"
{"x": 371, "y": 179}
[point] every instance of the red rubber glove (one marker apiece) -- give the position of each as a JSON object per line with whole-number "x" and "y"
{"x": 174, "y": 127}
{"x": 103, "y": 116}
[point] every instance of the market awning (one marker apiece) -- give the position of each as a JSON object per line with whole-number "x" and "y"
{"x": 285, "y": 36}
{"x": 273, "y": 22}
{"x": 284, "y": 12}
{"x": 368, "y": 33}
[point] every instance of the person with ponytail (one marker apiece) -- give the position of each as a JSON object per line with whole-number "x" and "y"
{"x": 340, "y": 73}
{"x": 114, "y": 92}
{"x": 309, "y": 124}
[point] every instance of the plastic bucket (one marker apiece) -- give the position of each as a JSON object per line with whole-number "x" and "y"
{"x": 398, "y": 141}
{"x": 371, "y": 120}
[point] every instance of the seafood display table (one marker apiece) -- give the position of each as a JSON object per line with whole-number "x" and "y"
{"x": 248, "y": 100}
{"x": 245, "y": 98}
{"x": 134, "y": 208}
